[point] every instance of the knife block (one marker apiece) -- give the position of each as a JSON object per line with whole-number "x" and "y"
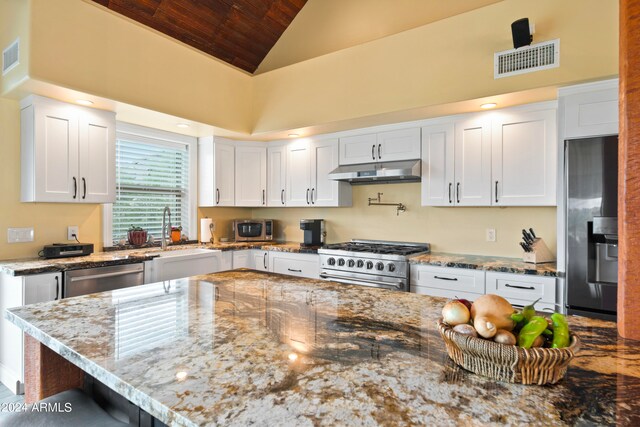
{"x": 540, "y": 253}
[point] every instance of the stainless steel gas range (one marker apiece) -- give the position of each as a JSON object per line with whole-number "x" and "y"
{"x": 375, "y": 263}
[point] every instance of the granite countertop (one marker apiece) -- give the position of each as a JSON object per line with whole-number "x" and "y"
{"x": 487, "y": 263}
{"x": 30, "y": 266}
{"x": 258, "y": 348}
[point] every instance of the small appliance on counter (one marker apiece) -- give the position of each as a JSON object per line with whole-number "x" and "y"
{"x": 313, "y": 232}
{"x": 253, "y": 230}
{"x": 63, "y": 250}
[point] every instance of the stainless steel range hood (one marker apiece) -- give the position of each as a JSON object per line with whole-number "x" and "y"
{"x": 378, "y": 173}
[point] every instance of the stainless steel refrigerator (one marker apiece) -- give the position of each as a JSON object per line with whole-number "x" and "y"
{"x": 591, "y": 179}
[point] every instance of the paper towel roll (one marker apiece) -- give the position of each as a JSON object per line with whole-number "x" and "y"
{"x": 206, "y": 228}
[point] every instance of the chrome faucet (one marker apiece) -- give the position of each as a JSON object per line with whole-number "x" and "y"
{"x": 166, "y": 213}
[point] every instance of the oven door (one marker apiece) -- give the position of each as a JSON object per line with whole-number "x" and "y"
{"x": 350, "y": 278}
{"x": 250, "y": 231}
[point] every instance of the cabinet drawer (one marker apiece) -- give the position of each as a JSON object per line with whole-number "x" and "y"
{"x": 301, "y": 265}
{"x": 434, "y": 292}
{"x": 449, "y": 279}
{"x": 522, "y": 287}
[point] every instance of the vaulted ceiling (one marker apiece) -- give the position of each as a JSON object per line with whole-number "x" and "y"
{"x": 239, "y": 32}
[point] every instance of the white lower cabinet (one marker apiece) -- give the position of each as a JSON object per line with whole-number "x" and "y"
{"x": 260, "y": 260}
{"x": 518, "y": 289}
{"x": 522, "y": 289}
{"x": 295, "y": 264}
{"x": 447, "y": 282}
{"x": 16, "y": 292}
{"x": 242, "y": 259}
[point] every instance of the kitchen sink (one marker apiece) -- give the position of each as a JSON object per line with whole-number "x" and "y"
{"x": 169, "y": 265}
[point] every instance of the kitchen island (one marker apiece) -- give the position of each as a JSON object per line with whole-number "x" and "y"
{"x": 245, "y": 347}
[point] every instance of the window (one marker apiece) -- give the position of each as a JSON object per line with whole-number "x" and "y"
{"x": 154, "y": 169}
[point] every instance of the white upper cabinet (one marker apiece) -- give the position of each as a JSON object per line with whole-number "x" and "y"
{"x": 298, "y": 184}
{"x": 590, "y": 109}
{"x": 67, "y": 153}
{"x": 251, "y": 175}
{"x": 276, "y": 175}
{"x": 438, "y": 165}
{"x": 524, "y": 153}
{"x": 403, "y": 144}
{"x": 473, "y": 162}
{"x": 358, "y": 149}
{"x": 216, "y": 172}
{"x": 325, "y": 191}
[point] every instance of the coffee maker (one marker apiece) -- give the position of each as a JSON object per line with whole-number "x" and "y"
{"x": 313, "y": 232}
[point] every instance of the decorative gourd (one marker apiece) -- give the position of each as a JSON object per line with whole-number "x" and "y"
{"x": 490, "y": 313}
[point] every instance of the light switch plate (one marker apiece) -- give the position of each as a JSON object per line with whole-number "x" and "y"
{"x": 491, "y": 234}
{"x": 20, "y": 235}
{"x": 71, "y": 230}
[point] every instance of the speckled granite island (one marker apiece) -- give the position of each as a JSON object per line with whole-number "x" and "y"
{"x": 244, "y": 347}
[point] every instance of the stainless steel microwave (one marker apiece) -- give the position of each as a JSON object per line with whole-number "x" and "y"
{"x": 253, "y": 230}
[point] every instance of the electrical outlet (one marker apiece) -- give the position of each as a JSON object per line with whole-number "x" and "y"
{"x": 19, "y": 235}
{"x": 491, "y": 234}
{"x": 71, "y": 230}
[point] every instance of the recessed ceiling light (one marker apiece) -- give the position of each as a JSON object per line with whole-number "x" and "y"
{"x": 182, "y": 125}
{"x": 84, "y": 102}
{"x": 488, "y": 105}
{"x": 293, "y": 135}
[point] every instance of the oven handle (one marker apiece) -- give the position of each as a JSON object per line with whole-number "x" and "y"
{"x": 350, "y": 281}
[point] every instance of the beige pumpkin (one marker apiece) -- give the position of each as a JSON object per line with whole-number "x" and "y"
{"x": 491, "y": 313}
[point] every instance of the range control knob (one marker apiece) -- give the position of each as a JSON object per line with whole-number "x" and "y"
{"x": 391, "y": 267}
{"x": 360, "y": 263}
{"x": 340, "y": 262}
{"x": 369, "y": 265}
{"x": 379, "y": 266}
{"x": 331, "y": 261}
{"x": 351, "y": 263}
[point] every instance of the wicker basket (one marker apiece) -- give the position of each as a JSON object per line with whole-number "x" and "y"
{"x": 508, "y": 362}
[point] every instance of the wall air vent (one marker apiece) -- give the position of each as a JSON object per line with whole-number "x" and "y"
{"x": 10, "y": 57}
{"x": 539, "y": 56}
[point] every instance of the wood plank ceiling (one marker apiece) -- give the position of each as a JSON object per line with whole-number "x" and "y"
{"x": 239, "y": 32}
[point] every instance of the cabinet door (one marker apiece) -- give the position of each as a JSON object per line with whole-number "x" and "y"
{"x": 396, "y": 145}
{"x": 358, "y": 149}
{"x": 97, "y": 152}
{"x": 276, "y": 175}
{"x": 438, "y": 165}
{"x": 298, "y": 188}
{"x": 206, "y": 166}
{"x": 56, "y": 153}
{"x": 260, "y": 260}
{"x": 251, "y": 176}
{"x": 591, "y": 114}
{"x": 224, "y": 174}
{"x": 473, "y": 162}
{"x": 42, "y": 288}
{"x": 325, "y": 191}
{"x": 301, "y": 265}
{"x": 243, "y": 259}
{"x": 524, "y": 154}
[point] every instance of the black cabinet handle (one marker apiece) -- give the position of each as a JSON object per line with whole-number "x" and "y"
{"x": 450, "y": 185}
{"x": 84, "y": 184}
{"x": 263, "y": 197}
{"x": 452, "y": 279}
{"x": 264, "y": 260}
{"x": 529, "y": 288}
{"x": 373, "y": 151}
{"x": 57, "y": 288}
{"x": 379, "y": 147}
{"x": 217, "y": 196}
{"x": 282, "y": 196}
{"x": 308, "y": 196}
{"x": 295, "y": 271}
{"x": 75, "y": 187}
{"x": 496, "y": 191}
{"x": 457, "y": 192}
{"x": 312, "y": 191}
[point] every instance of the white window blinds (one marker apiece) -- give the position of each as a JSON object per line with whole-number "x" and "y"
{"x": 150, "y": 174}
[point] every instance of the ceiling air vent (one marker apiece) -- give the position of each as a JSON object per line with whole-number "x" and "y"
{"x": 10, "y": 57}
{"x": 540, "y": 56}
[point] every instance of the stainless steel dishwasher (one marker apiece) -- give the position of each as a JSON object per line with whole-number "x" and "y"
{"x": 101, "y": 279}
